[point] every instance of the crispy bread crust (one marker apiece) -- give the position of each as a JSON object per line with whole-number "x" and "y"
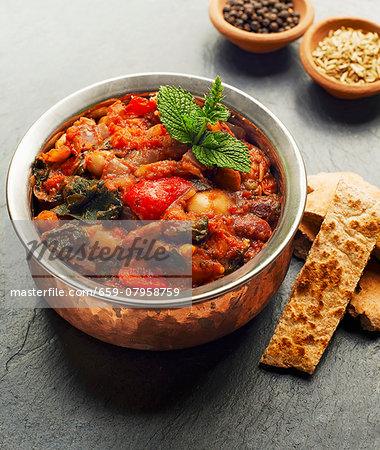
{"x": 321, "y": 189}
{"x": 327, "y": 281}
{"x": 365, "y": 302}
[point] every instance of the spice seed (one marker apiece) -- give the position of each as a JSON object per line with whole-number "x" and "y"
{"x": 355, "y": 50}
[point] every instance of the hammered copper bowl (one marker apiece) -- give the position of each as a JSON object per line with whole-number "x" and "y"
{"x": 210, "y": 311}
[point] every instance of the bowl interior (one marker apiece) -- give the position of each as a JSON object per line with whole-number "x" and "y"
{"x": 287, "y": 158}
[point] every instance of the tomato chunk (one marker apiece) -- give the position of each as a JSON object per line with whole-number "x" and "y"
{"x": 47, "y": 220}
{"x": 139, "y": 106}
{"x": 149, "y": 199}
{"x": 53, "y": 183}
{"x": 132, "y": 278}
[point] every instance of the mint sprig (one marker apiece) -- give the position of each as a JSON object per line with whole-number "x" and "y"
{"x": 212, "y": 108}
{"x": 222, "y": 150}
{"x": 178, "y": 111}
{"x": 186, "y": 122}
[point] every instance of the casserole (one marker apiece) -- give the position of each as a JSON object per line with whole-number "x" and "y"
{"x": 210, "y": 311}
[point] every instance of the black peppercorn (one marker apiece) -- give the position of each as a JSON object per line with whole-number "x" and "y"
{"x": 273, "y": 26}
{"x": 283, "y": 14}
{"x": 261, "y": 16}
{"x": 255, "y": 26}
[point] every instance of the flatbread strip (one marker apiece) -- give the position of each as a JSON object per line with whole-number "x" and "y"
{"x": 365, "y": 303}
{"x": 304, "y": 239}
{"x": 327, "y": 281}
{"x": 321, "y": 189}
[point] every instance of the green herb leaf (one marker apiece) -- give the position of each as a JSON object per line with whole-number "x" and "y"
{"x": 212, "y": 110}
{"x": 195, "y": 125}
{"x": 178, "y": 112}
{"x": 186, "y": 122}
{"x": 222, "y": 150}
{"x": 89, "y": 200}
{"x": 200, "y": 229}
{"x": 40, "y": 171}
{"x": 68, "y": 236}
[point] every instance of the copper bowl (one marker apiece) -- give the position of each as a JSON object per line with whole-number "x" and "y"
{"x": 257, "y": 42}
{"x": 211, "y": 311}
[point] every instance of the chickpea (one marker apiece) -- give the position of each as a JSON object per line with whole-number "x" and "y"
{"x": 47, "y": 220}
{"x": 209, "y": 203}
{"x": 187, "y": 250}
{"x": 103, "y": 119}
{"x": 95, "y": 162}
{"x": 61, "y": 141}
{"x": 57, "y": 155}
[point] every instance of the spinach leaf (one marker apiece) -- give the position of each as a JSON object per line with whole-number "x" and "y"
{"x": 89, "y": 200}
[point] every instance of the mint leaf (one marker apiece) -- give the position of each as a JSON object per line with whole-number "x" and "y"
{"x": 186, "y": 122}
{"x": 178, "y": 113}
{"x": 195, "y": 125}
{"x": 220, "y": 113}
{"x": 222, "y": 150}
{"x": 212, "y": 110}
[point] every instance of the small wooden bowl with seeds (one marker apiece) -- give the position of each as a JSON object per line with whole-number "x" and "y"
{"x": 342, "y": 55}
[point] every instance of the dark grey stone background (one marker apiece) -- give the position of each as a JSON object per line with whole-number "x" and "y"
{"x": 63, "y": 389}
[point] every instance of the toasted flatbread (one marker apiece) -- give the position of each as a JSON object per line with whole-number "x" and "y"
{"x": 366, "y": 305}
{"x": 302, "y": 245}
{"x": 304, "y": 238}
{"x": 327, "y": 281}
{"x": 321, "y": 189}
{"x": 365, "y": 302}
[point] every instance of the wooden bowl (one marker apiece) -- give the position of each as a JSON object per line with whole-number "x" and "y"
{"x": 257, "y": 42}
{"x": 310, "y": 41}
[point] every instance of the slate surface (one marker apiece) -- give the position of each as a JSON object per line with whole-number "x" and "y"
{"x": 62, "y": 389}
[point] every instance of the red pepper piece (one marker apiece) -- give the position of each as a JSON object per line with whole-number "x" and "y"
{"x": 132, "y": 278}
{"x": 138, "y": 106}
{"x": 149, "y": 199}
{"x": 53, "y": 183}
